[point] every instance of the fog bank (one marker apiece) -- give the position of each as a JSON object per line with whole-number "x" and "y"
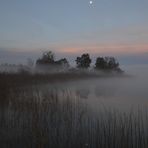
{"x": 121, "y": 93}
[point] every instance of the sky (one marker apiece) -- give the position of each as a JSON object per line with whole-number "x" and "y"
{"x": 72, "y": 27}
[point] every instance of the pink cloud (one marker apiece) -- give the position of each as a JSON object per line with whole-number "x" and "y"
{"x": 107, "y": 48}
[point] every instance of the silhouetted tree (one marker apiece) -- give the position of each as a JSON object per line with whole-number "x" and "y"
{"x": 111, "y": 63}
{"x": 101, "y": 63}
{"x": 47, "y": 62}
{"x": 83, "y": 61}
{"x": 47, "y": 58}
{"x": 107, "y": 63}
{"x": 62, "y": 62}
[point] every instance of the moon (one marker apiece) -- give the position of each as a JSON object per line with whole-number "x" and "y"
{"x": 90, "y": 2}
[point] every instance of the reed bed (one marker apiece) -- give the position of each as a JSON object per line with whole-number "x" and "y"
{"x": 31, "y": 117}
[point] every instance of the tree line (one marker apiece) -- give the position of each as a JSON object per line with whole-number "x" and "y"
{"x": 82, "y": 62}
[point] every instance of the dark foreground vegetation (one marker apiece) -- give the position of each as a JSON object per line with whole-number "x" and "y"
{"x": 24, "y": 78}
{"x": 36, "y": 117}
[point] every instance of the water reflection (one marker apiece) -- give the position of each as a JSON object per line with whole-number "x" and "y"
{"x": 83, "y": 93}
{"x": 104, "y": 91}
{"x": 120, "y": 93}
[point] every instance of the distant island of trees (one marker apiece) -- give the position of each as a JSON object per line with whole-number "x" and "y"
{"x": 105, "y": 64}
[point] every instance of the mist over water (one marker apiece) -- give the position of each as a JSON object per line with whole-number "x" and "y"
{"x": 103, "y": 111}
{"x": 123, "y": 93}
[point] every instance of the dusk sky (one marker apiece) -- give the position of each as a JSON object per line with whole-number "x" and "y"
{"x": 69, "y": 27}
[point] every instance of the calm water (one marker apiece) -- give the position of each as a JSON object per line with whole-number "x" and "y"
{"x": 120, "y": 93}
